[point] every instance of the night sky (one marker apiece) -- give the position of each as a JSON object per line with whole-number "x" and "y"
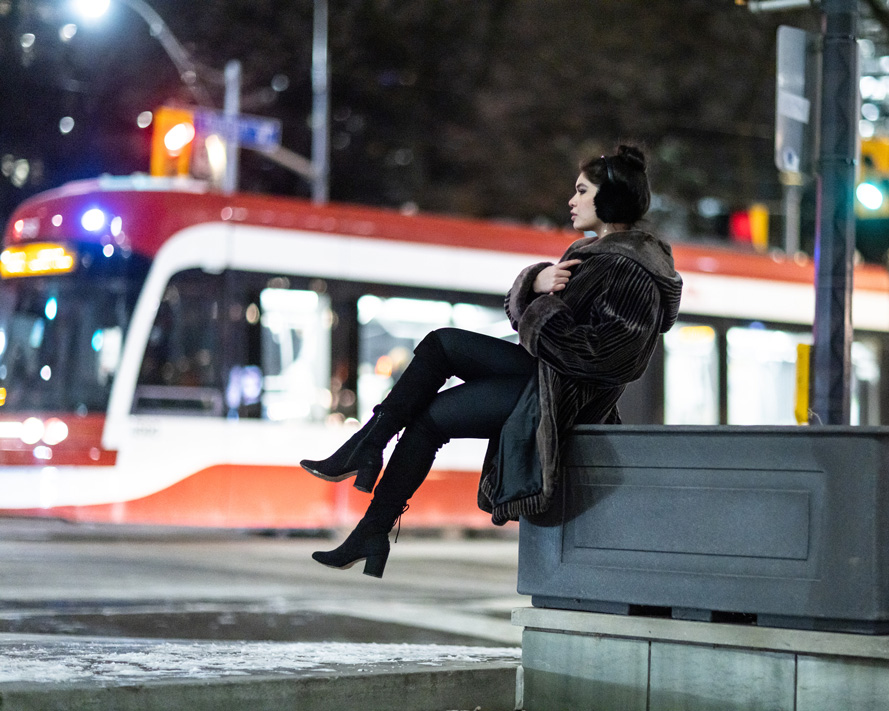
{"x": 453, "y": 106}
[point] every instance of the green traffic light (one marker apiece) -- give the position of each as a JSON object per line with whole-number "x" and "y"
{"x": 870, "y": 196}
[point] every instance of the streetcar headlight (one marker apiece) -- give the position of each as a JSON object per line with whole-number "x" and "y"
{"x": 54, "y": 431}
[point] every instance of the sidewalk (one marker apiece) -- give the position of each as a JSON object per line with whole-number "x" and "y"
{"x": 68, "y": 673}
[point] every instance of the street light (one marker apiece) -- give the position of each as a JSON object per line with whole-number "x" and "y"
{"x": 95, "y": 9}
{"x": 315, "y": 171}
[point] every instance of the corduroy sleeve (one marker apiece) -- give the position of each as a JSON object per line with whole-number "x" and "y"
{"x": 609, "y": 341}
{"x": 522, "y": 293}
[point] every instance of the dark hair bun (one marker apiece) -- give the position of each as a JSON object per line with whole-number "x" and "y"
{"x": 633, "y": 156}
{"x": 623, "y": 196}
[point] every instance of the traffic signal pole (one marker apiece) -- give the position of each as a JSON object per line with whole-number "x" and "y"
{"x": 232, "y": 107}
{"x": 835, "y": 221}
{"x": 320, "y": 106}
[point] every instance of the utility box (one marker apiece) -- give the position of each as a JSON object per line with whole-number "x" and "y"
{"x": 778, "y": 526}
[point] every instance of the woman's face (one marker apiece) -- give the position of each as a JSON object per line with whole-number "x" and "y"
{"x": 583, "y": 210}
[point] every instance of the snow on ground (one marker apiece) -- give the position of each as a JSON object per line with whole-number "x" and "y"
{"x": 145, "y": 660}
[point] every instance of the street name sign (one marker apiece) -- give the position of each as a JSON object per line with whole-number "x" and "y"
{"x": 249, "y": 131}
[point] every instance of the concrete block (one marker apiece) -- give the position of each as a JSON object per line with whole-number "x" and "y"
{"x": 764, "y": 521}
{"x": 566, "y": 671}
{"x": 691, "y": 678}
{"x": 831, "y": 683}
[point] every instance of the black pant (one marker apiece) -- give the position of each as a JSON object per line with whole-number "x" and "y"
{"x": 494, "y": 373}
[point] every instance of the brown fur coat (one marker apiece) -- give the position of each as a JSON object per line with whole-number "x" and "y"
{"x": 591, "y": 340}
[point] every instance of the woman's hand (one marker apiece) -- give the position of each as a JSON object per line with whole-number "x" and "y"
{"x": 554, "y": 278}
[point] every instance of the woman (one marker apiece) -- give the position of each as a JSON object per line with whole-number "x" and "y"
{"x": 587, "y": 326}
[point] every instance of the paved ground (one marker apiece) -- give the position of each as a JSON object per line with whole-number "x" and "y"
{"x": 89, "y": 613}
{"x": 211, "y": 585}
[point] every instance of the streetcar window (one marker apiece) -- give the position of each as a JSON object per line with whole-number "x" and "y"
{"x": 295, "y": 367}
{"x": 691, "y": 375}
{"x": 390, "y": 329}
{"x": 865, "y": 392}
{"x": 276, "y": 353}
{"x": 61, "y": 335}
{"x": 180, "y": 371}
{"x": 762, "y": 375}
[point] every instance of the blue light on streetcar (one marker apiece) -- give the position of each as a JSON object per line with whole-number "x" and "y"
{"x": 93, "y": 220}
{"x": 51, "y": 308}
{"x": 870, "y": 196}
{"x": 98, "y": 341}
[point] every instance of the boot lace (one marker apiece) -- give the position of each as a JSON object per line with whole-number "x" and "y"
{"x": 398, "y": 521}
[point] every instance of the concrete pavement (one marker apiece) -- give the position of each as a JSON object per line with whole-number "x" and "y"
{"x": 107, "y": 619}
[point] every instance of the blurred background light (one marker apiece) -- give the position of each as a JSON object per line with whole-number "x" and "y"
{"x": 869, "y": 195}
{"x": 93, "y": 220}
{"x": 91, "y": 8}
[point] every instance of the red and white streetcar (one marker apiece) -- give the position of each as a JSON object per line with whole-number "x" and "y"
{"x": 168, "y": 354}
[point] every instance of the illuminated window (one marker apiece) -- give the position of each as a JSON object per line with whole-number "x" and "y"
{"x": 865, "y": 391}
{"x": 390, "y": 329}
{"x": 295, "y": 354}
{"x": 691, "y": 375}
{"x": 762, "y": 375}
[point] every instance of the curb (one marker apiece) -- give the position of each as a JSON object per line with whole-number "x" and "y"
{"x": 489, "y": 686}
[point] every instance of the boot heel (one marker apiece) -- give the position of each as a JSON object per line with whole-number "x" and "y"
{"x": 376, "y": 564}
{"x": 366, "y": 480}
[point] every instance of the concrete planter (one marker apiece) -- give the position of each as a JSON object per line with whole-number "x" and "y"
{"x": 775, "y": 525}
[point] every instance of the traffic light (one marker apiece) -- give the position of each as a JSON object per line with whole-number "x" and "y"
{"x": 172, "y": 141}
{"x": 872, "y": 189}
{"x": 750, "y": 225}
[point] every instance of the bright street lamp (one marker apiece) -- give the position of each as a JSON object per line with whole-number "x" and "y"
{"x": 94, "y": 9}
{"x": 317, "y": 170}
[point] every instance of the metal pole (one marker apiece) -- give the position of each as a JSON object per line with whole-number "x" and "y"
{"x": 835, "y": 231}
{"x": 320, "y": 106}
{"x": 793, "y": 193}
{"x": 232, "y": 107}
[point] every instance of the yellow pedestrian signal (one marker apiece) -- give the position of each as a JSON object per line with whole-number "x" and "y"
{"x": 172, "y": 141}
{"x": 759, "y": 226}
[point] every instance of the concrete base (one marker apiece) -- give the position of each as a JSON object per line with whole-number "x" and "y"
{"x": 787, "y": 525}
{"x": 584, "y": 660}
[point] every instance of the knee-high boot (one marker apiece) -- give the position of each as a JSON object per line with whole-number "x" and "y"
{"x": 362, "y": 454}
{"x": 407, "y": 468}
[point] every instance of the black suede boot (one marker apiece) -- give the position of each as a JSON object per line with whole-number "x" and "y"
{"x": 362, "y": 454}
{"x": 369, "y": 541}
{"x": 408, "y": 467}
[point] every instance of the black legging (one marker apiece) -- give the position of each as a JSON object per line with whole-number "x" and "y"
{"x": 494, "y": 373}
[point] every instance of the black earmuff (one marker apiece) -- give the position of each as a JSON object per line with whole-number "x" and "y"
{"x": 608, "y": 199}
